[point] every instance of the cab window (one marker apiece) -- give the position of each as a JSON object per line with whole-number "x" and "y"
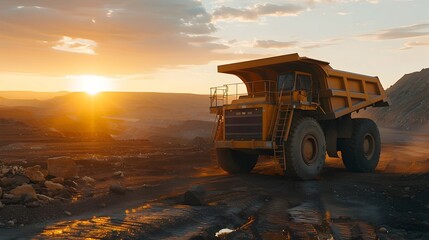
{"x": 303, "y": 82}
{"x": 286, "y": 81}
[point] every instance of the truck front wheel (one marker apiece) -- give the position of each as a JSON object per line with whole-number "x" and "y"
{"x": 233, "y": 161}
{"x": 361, "y": 153}
{"x": 305, "y": 149}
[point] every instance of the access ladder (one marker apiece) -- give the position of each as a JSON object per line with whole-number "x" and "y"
{"x": 281, "y": 132}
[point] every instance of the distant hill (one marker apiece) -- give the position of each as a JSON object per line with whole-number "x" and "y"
{"x": 30, "y": 95}
{"x": 122, "y": 115}
{"x": 6, "y": 102}
{"x": 409, "y": 108}
{"x": 12, "y": 131}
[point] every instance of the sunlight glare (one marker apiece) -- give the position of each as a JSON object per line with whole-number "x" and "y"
{"x": 92, "y": 84}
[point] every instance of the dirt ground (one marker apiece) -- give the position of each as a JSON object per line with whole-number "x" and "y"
{"x": 392, "y": 203}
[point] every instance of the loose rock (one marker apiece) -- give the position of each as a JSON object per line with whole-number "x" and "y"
{"x": 64, "y": 167}
{"x": 44, "y": 198}
{"x": 57, "y": 180}
{"x": 1, "y": 205}
{"x": 72, "y": 190}
{"x": 4, "y": 169}
{"x": 14, "y": 181}
{"x": 64, "y": 193}
{"x": 88, "y": 180}
{"x": 70, "y": 183}
{"x": 117, "y": 189}
{"x": 195, "y": 196}
{"x": 53, "y": 186}
{"x": 8, "y": 196}
{"x": 28, "y": 198}
{"x": 34, "y": 174}
{"x": 67, "y": 213}
{"x": 118, "y": 174}
{"x": 23, "y": 190}
{"x": 382, "y": 230}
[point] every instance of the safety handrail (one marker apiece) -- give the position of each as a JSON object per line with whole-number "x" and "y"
{"x": 224, "y": 95}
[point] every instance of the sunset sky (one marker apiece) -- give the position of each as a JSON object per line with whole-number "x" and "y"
{"x": 175, "y": 45}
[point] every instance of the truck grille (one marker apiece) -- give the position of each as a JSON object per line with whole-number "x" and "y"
{"x": 243, "y": 124}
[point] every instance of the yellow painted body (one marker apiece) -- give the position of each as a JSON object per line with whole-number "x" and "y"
{"x": 334, "y": 93}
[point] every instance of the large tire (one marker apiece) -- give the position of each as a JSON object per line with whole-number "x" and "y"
{"x": 361, "y": 153}
{"x": 305, "y": 149}
{"x": 233, "y": 161}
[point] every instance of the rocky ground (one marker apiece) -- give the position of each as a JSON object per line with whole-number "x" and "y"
{"x": 149, "y": 190}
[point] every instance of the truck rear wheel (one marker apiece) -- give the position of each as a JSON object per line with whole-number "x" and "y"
{"x": 305, "y": 149}
{"x": 233, "y": 161}
{"x": 361, "y": 153}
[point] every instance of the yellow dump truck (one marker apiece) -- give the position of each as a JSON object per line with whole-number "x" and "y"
{"x": 295, "y": 109}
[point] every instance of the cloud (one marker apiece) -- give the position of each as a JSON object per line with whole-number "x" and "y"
{"x": 343, "y": 13}
{"x": 274, "y": 44}
{"x": 255, "y": 12}
{"x": 416, "y": 30}
{"x": 76, "y": 45}
{"x": 112, "y": 37}
{"x": 344, "y": 1}
{"x": 413, "y": 44}
{"x": 294, "y": 44}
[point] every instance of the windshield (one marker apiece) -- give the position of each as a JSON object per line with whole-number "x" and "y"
{"x": 303, "y": 82}
{"x": 286, "y": 81}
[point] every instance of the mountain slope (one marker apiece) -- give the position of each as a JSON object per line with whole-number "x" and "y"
{"x": 124, "y": 115}
{"x": 409, "y": 108}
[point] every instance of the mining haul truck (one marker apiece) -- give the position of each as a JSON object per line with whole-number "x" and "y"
{"x": 296, "y": 109}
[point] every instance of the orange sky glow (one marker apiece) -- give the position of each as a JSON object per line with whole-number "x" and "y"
{"x": 175, "y": 46}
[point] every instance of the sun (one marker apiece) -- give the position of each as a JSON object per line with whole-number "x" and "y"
{"x": 92, "y": 84}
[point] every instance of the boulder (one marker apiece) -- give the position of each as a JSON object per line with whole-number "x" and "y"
{"x": 64, "y": 193}
{"x": 117, "y": 189}
{"x": 57, "y": 180}
{"x": 51, "y": 186}
{"x": 118, "y": 174}
{"x": 34, "y": 174}
{"x": 5, "y": 181}
{"x": 382, "y": 230}
{"x": 64, "y": 167}
{"x": 44, "y": 198}
{"x": 88, "y": 180}
{"x": 195, "y": 196}
{"x": 14, "y": 181}
{"x": 44, "y": 172}
{"x": 72, "y": 190}
{"x": 8, "y": 196}
{"x": 4, "y": 169}
{"x": 70, "y": 183}
{"x": 23, "y": 191}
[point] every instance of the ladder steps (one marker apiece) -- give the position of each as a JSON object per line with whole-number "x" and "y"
{"x": 284, "y": 116}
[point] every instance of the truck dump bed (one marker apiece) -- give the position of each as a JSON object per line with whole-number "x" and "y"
{"x": 338, "y": 92}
